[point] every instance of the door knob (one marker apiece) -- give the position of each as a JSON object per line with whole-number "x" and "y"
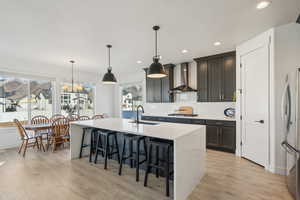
{"x": 260, "y": 121}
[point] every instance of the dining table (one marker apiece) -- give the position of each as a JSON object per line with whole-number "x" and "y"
{"x": 37, "y": 128}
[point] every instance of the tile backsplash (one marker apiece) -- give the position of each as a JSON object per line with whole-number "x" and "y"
{"x": 209, "y": 109}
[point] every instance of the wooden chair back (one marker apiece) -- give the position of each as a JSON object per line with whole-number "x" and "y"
{"x": 73, "y": 117}
{"x": 40, "y": 119}
{"x": 84, "y": 118}
{"x": 56, "y": 116}
{"x": 60, "y": 127}
{"x": 21, "y": 129}
{"x": 98, "y": 117}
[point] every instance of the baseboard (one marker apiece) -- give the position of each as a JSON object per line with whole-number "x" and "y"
{"x": 277, "y": 170}
{"x": 9, "y": 146}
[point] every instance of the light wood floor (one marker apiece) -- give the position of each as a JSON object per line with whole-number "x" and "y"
{"x": 43, "y": 176}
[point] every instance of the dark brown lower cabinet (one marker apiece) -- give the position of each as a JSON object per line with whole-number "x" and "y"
{"x": 212, "y": 136}
{"x": 220, "y": 134}
{"x": 221, "y": 137}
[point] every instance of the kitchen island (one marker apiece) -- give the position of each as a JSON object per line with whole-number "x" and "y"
{"x": 189, "y": 146}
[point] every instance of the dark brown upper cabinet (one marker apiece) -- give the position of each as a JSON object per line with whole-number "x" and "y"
{"x": 216, "y": 77}
{"x": 157, "y": 90}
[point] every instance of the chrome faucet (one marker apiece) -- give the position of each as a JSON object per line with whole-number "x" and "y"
{"x": 137, "y": 112}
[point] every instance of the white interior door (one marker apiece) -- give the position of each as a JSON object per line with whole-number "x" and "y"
{"x": 255, "y": 105}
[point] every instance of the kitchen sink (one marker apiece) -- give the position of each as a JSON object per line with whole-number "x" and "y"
{"x": 143, "y": 122}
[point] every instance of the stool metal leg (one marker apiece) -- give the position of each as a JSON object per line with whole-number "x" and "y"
{"x": 167, "y": 171}
{"x": 145, "y": 149}
{"x": 137, "y": 160}
{"x": 82, "y": 141}
{"x": 149, "y": 162}
{"x": 97, "y": 150}
{"x": 157, "y": 161}
{"x": 106, "y": 151}
{"x": 92, "y": 145}
{"x": 131, "y": 153}
{"x": 117, "y": 147}
{"x": 122, "y": 156}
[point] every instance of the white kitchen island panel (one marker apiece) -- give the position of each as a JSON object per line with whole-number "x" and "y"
{"x": 189, "y": 162}
{"x": 189, "y": 146}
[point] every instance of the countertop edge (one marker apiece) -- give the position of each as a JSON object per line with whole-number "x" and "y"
{"x": 198, "y": 117}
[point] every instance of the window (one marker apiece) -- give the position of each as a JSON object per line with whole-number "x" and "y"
{"x": 41, "y": 98}
{"x": 79, "y": 101}
{"x": 23, "y": 98}
{"x": 132, "y": 96}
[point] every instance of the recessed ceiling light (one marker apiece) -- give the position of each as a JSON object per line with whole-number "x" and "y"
{"x": 184, "y": 51}
{"x": 263, "y": 4}
{"x": 139, "y": 62}
{"x": 217, "y": 43}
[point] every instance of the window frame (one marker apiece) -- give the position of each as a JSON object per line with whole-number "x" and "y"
{"x": 28, "y": 79}
{"x": 121, "y": 87}
{"x": 82, "y": 83}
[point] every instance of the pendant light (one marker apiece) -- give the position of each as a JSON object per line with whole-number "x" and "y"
{"x": 78, "y": 87}
{"x": 66, "y": 87}
{"x": 109, "y": 78}
{"x": 74, "y": 88}
{"x": 156, "y": 69}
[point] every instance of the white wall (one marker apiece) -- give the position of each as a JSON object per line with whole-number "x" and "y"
{"x": 104, "y": 100}
{"x": 188, "y": 99}
{"x": 104, "y": 94}
{"x": 284, "y": 58}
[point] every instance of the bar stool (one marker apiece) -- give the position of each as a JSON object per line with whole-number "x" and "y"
{"x": 82, "y": 118}
{"x": 83, "y": 145}
{"x": 106, "y": 149}
{"x": 165, "y": 146}
{"x": 133, "y": 155}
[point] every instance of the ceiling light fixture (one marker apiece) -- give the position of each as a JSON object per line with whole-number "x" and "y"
{"x": 156, "y": 69}
{"x": 109, "y": 78}
{"x": 217, "y": 43}
{"x": 184, "y": 51}
{"x": 263, "y": 4}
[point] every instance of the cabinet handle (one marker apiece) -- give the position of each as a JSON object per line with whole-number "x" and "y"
{"x": 260, "y": 121}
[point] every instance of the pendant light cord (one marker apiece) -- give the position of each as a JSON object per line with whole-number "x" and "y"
{"x": 109, "y": 46}
{"x": 72, "y": 75}
{"x": 156, "y": 43}
{"x": 108, "y": 57}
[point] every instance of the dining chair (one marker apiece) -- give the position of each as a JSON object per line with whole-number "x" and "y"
{"x": 28, "y": 139}
{"x": 73, "y": 117}
{"x": 60, "y": 132}
{"x": 56, "y": 116}
{"x": 41, "y": 119}
{"x": 81, "y": 118}
{"x": 97, "y": 117}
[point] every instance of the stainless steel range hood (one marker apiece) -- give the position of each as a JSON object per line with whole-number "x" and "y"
{"x": 184, "y": 87}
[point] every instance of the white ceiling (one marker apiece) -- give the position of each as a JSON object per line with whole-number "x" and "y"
{"x": 53, "y": 31}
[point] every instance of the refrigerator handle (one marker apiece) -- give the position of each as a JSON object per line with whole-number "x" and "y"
{"x": 286, "y": 106}
{"x": 287, "y": 147}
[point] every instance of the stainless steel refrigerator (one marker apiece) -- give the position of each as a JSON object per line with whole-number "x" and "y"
{"x": 291, "y": 144}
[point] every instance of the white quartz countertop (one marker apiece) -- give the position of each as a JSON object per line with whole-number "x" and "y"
{"x": 196, "y": 117}
{"x": 163, "y": 130}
